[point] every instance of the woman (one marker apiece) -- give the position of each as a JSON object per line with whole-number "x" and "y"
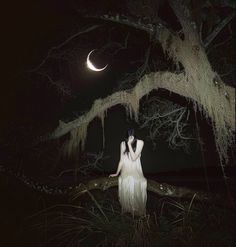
{"x": 132, "y": 185}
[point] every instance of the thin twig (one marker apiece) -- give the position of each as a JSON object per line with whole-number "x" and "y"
{"x": 89, "y": 29}
{"x": 217, "y": 29}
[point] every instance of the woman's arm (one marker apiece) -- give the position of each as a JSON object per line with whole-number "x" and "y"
{"x": 118, "y": 170}
{"x": 135, "y": 155}
{"x": 120, "y": 163}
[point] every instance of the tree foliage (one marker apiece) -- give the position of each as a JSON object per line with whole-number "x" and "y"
{"x": 185, "y": 33}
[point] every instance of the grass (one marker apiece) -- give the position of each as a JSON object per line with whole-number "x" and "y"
{"x": 96, "y": 220}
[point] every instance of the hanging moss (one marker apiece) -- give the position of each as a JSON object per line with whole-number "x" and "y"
{"x": 210, "y": 100}
{"x": 197, "y": 82}
{"x": 102, "y": 116}
{"x": 76, "y": 141}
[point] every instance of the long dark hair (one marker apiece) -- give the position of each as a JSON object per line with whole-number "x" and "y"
{"x": 130, "y": 132}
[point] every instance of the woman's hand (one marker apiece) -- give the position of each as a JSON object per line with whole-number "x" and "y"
{"x": 113, "y": 175}
{"x": 130, "y": 140}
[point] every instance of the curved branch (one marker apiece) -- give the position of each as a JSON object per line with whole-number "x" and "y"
{"x": 104, "y": 183}
{"x": 89, "y": 29}
{"x": 162, "y": 189}
{"x": 144, "y": 86}
{"x": 176, "y": 83}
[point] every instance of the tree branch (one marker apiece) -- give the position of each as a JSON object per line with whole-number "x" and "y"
{"x": 161, "y": 189}
{"x": 182, "y": 12}
{"x": 143, "y": 87}
{"x": 217, "y": 29}
{"x": 225, "y": 3}
{"x": 61, "y": 87}
{"x": 50, "y": 51}
{"x": 105, "y": 183}
{"x": 155, "y": 30}
{"x": 170, "y": 81}
{"x": 163, "y": 118}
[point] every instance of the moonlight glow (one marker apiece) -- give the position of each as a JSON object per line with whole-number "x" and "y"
{"x": 90, "y": 64}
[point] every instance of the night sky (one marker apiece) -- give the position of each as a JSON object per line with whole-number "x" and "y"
{"x": 28, "y": 101}
{"x": 189, "y": 201}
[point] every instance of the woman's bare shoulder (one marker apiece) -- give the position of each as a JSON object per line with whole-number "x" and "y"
{"x": 140, "y": 141}
{"x": 122, "y": 143}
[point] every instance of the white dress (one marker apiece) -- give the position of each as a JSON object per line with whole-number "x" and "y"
{"x": 132, "y": 185}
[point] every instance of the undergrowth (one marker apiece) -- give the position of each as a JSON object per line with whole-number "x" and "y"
{"x": 96, "y": 220}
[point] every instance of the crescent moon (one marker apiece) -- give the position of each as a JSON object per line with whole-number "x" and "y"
{"x": 90, "y": 64}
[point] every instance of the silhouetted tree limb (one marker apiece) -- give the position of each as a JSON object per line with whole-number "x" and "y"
{"x": 161, "y": 189}
{"x": 217, "y": 29}
{"x": 59, "y": 46}
{"x": 166, "y": 119}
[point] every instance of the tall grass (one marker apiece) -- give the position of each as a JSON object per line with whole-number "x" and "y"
{"x": 98, "y": 221}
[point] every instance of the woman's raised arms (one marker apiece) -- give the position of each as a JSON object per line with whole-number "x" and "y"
{"x": 136, "y": 154}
